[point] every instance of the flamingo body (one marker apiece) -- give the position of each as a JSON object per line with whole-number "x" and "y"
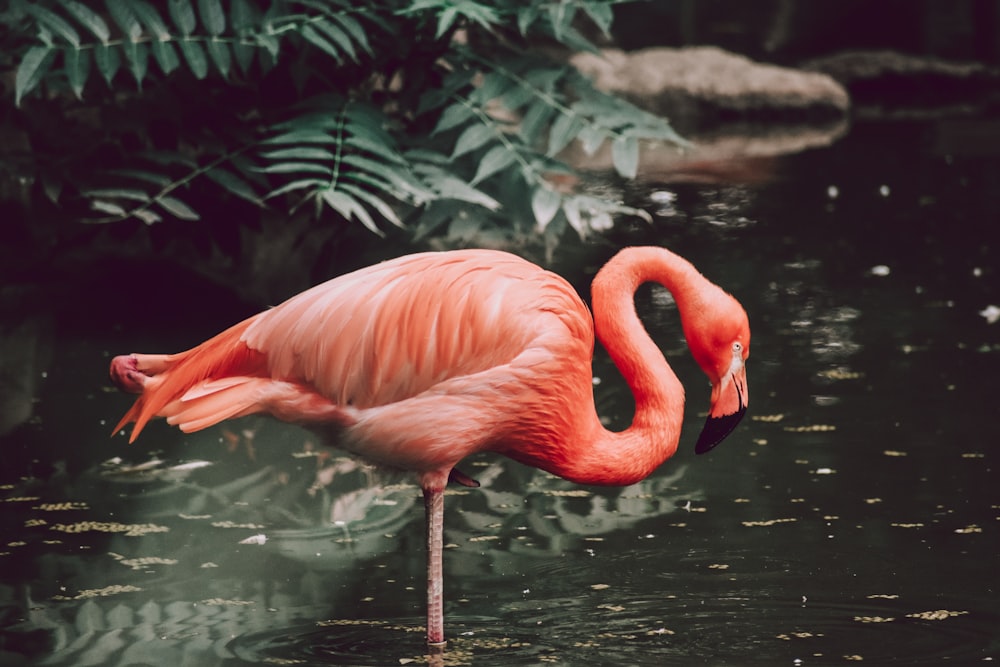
{"x": 418, "y": 362}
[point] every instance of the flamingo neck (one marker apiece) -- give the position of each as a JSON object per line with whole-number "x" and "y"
{"x": 632, "y": 454}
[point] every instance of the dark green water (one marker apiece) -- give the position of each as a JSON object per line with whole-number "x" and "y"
{"x": 853, "y": 516}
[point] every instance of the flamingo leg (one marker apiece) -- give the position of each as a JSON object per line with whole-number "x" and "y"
{"x": 434, "y": 508}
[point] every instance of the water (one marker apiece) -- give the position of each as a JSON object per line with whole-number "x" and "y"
{"x": 853, "y": 516}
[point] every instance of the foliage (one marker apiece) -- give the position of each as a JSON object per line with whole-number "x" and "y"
{"x": 371, "y": 111}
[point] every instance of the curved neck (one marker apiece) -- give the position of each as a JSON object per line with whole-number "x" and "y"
{"x": 632, "y": 454}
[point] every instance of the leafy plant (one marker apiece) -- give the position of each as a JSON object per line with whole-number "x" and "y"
{"x": 370, "y": 111}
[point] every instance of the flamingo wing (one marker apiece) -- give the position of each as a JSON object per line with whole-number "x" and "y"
{"x": 460, "y": 323}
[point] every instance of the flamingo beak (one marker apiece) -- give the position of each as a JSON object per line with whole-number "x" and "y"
{"x": 729, "y": 404}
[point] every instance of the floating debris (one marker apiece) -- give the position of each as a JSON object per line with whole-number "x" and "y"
{"x": 936, "y": 615}
{"x": 220, "y": 602}
{"x": 813, "y": 428}
{"x": 599, "y": 587}
{"x": 769, "y": 522}
{"x": 260, "y": 538}
{"x": 99, "y": 592}
{"x": 130, "y": 529}
{"x": 231, "y": 524}
{"x": 874, "y": 619}
{"x": 767, "y": 418}
{"x": 991, "y": 313}
{"x": 840, "y": 374}
{"x": 143, "y": 561}
{"x": 61, "y": 507}
{"x": 484, "y": 538}
{"x": 969, "y": 529}
{"x": 907, "y": 525}
{"x": 893, "y": 452}
{"x": 568, "y": 493}
{"x": 882, "y": 596}
{"x": 718, "y": 566}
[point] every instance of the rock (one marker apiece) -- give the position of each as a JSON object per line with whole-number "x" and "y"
{"x": 738, "y": 114}
{"x": 701, "y": 86}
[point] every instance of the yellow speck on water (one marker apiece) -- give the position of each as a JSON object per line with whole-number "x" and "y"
{"x": 907, "y": 525}
{"x": 130, "y": 530}
{"x": 767, "y": 418}
{"x": 484, "y": 538}
{"x": 874, "y": 619}
{"x": 32, "y": 523}
{"x": 893, "y": 452}
{"x": 812, "y": 428}
{"x": 220, "y": 602}
{"x": 61, "y": 507}
{"x": 99, "y": 592}
{"x": 882, "y": 596}
{"x": 599, "y": 587}
{"x": 969, "y": 529}
{"x": 568, "y": 493}
{"x": 142, "y": 562}
{"x": 873, "y": 501}
{"x": 242, "y": 526}
{"x": 769, "y": 522}
{"x": 936, "y": 615}
{"x": 718, "y": 566}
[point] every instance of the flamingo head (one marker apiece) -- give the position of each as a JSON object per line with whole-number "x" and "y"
{"x": 719, "y": 338}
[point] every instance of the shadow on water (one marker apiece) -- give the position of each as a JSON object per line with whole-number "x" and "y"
{"x": 851, "y": 517}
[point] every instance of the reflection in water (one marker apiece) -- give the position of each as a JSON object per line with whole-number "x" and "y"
{"x": 853, "y": 517}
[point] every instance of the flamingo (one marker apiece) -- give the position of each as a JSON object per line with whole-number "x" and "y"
{"x": 418, "y": 362}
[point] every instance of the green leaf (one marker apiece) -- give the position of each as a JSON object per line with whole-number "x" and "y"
{"x": 89, "y": 19}
{"x": 241, "y": 16}
{"x": 219, "y": 51}
{"x": 166, "y": 56}
{"x": 108, "y": 207}
{"x": 234, "y": 185}
{"x": 496, "y": 159}
{"x": 349, "y": 207}
{"x": 298, "y": 184}
{"x": 535, "y": 120}
{"x": 544, "y": 205}
{"x": 123, "y": 15}
{"x": 150, "y": 18}
{"x": 53, "y": 22}
{"x": 591, "y": 137}
{"x": 182, "y": 13}
{"x": 177, "y": 208}
{"x": 625, "y": 156}
{"x": 77, "y": 65}
{"x": 357, "y": 32}
{"x": 32, "y": 69}
{"x": 195, "y": 56}
{"x": 472, "y": 138}
{"x": 454, "y": 188}
{"x": 244, "y": 54}
{"x": 338, "y": 37}
{"x": 212, "y": 16}
{"x": 137, "y": 56}
{"x": 300, "y": 153}
{"x": 563, "y": 131}
{"x": 453, "y": 116}
{"x": 380, "y": 206}
{"x": 313, "y": 36}
{"x": 107, "y": 60}
{"x": 295, "y": 167}
{"x": 601, "y": 14}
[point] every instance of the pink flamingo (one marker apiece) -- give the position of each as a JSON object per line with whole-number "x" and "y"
{"x": 418, "y": 362}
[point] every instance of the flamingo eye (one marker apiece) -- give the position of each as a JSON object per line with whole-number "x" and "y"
{"x": 737, "y": 347}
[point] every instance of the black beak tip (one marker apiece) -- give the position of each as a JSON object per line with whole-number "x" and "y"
{"x": 715, "y": 431}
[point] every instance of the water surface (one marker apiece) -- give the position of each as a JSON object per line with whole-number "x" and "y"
{"x": 853, "y": 516}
